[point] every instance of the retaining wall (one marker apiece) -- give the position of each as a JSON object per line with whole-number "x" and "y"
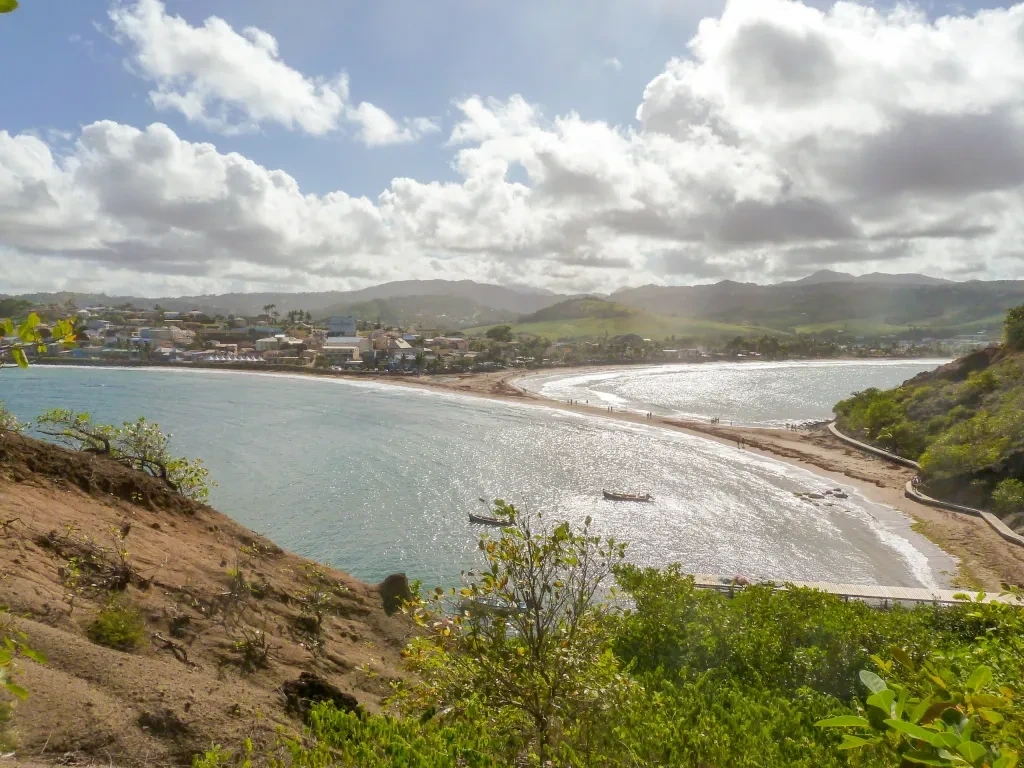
{"x": 912, "y": 493}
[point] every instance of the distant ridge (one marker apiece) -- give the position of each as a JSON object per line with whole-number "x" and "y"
{"x": 830, "y": 276}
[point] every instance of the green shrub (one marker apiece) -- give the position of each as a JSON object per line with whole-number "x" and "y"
{"x": 1014, "y": 328}
{"x": 1008, "y": 497}
{"x": 119, "y": 626}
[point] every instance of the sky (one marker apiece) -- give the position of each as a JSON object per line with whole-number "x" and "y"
{"x": 184, "y": 147}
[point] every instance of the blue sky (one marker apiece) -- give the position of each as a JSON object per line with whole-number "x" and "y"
{"x": 407, "y": 56}
{"x": 558, "y": 87}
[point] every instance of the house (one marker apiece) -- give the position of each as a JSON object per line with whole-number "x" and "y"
{"x": 341, "y": 325}
{"x": 266, "y": 344}
{"x": 401, "y": 350}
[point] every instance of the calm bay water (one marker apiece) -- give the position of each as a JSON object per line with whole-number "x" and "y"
{"x": 750, "y": 393}
{"x": 376, "y": 479}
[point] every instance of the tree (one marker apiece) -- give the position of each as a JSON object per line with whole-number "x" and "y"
{"x": 6, "y": 6}
{"x": 1014, "y": 328}
{"x": 530, "y": 644}
{"x": 268, "y": 309}
{"x": 137, "y": 444}
{"x": 501, "y": 333}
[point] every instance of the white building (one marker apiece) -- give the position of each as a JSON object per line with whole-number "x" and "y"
{"x": 359, "y": 342}
{"x": 265, "y": 344}
{"x": 401, "y": 350}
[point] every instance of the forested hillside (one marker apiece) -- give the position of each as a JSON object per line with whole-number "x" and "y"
{"x": 964, "y": 422}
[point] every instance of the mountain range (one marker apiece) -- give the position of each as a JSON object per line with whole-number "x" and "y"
{"x": 874, "y": 304}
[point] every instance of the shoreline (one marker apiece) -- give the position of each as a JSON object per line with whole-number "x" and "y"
{"x": 984, "y": 559}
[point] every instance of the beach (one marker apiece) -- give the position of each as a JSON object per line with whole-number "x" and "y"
{"x": 986, "y": 560}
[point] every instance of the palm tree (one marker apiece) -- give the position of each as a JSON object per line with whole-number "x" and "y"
{"x": 267, "y": 308}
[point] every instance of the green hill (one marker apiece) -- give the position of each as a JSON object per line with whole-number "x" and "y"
{"x": 884, "y": 305}
{"x": 963, "y": 422}
{"x": 590, "y": 318}
{"x": 441, "y": 312}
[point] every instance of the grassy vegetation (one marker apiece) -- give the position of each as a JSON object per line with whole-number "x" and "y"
{"x": 964, "y": 424}
{"x": 595, "y": 318}
{"x": 118, "y": 625}
{"x": 681, "y": 677}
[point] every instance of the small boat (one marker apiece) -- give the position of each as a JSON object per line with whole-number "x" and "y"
{"x": 487, "y": 520}
{"x": 613, "y": 496}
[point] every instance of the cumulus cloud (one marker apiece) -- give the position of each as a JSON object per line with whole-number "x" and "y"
{"x": 233, "y": 82}
{"x": 783, "y": 139}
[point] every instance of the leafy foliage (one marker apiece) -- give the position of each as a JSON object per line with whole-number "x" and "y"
{"x": 15, "y": 340}
{"x": 542, "y": 662}
{"x": 1014, "y": 328}
{"x": 9, "y": 423}
{"x": 137, "y": 444}
{"x": 1008, "y": 497}
{"x": 118, "y": 625}
{"x": 962, "y": 425}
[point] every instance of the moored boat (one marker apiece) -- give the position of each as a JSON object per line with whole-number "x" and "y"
{"x": 613, "y": 496}
{"x": 487, "y": 520}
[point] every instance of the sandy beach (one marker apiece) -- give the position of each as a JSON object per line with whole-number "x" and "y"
{"x": 986, "y": 560}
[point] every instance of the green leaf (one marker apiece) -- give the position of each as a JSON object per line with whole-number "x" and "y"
{"x": 988, "y": 700}
{"x": 36, "y": 656}
{"x": 979, "y": 678}
{"x": 15, "y": 690}
{"x": 19, "y": 357}
{"x": 991, "y": 716}
{"x": 874, "y": 683}
{"x": 903, "y": 657}
{"x": 1007, "y": 760}
{"x": 971, "y": 750}
{"x": 6, "y": 657}
{"x": 882, "y": 700}
{"x": 8, "y": 325}
{"x": 843, "y": 721}
{"x": 920, "y": 709}
{"x": 910, "y": 729}
{"x": 945, "y": 739}
{"x": 6, "y": 6}
{"x": 853, "y": 742}
{"x": 923, "y": 758}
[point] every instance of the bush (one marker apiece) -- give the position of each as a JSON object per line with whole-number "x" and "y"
{"x": 118, "y": 626}
{"x": 1008, "y": 497}
{"x": 1014, "y": 328}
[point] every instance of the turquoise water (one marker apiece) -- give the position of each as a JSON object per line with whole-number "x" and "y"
{"x": 750, "y": 393}
{"x": 376, "y": 479}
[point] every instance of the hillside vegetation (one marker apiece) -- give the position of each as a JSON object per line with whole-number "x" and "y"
{"x": 963, "y": 422}
{"x": 445, "y": 313}
{"x": 591, "y": 318}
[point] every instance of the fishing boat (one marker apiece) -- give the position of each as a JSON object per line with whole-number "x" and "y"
{"x": 487, "y": 520}
{"x": 613, "y": 496}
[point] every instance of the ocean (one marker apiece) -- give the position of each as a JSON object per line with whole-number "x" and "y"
{"x": 765, "y": 394}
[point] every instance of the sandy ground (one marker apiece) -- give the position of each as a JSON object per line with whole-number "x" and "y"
{"x": 185, "y": 687}
{"x": 986, "y": 560}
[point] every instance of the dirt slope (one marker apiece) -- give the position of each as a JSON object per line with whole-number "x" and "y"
{"x": 202, "y": 582}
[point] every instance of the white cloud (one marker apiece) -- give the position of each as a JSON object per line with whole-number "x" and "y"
{"x": 233, "y": 82}
{"x": 787, "y": 139}
{"x": 378, "y": 128}
{"x": 613, "y": 64}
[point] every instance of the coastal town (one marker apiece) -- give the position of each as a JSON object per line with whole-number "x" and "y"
{"x": 130, "y": 335}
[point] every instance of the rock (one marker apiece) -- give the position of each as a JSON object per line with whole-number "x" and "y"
{"x": 311, "y": 689}
{"x": 841, "y": 495}
{"x": 163, "y": 722}
{"x": 815, "y": 496}
{"x": 394, "y": 590}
